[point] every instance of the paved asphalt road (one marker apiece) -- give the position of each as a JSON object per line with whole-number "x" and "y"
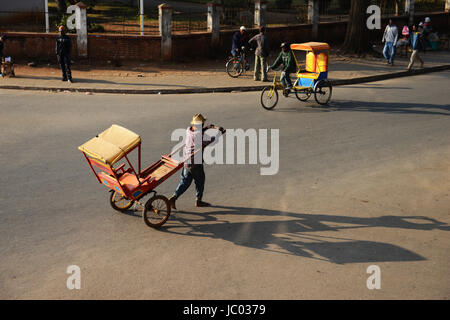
{"x": 362, "y": 182}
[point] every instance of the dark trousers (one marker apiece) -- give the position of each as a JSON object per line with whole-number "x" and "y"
{"x": 188, "y": 174}
{"x": 64, "y": 62}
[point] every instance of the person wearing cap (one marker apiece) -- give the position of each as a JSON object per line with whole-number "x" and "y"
{"x": 390, "y": 37}
{"x": 240, "y": 39}
{"x": 261, "y": 53}
{"x": 195, "y": 138}
{"x": 285, "y": 58}
{"x": 63, "y": 48}
{"x": 427, "y": 33}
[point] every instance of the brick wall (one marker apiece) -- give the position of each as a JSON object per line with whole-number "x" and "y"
{"x": 41, "y": 46}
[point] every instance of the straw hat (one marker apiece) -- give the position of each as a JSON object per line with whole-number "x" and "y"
{"x": 198, "y": 119}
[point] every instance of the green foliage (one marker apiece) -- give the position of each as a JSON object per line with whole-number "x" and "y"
{"x": 95, "y": 28}
{"x": 63, "y": 22}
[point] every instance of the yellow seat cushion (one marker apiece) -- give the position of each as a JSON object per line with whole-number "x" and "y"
{"x": 308, "y": 75}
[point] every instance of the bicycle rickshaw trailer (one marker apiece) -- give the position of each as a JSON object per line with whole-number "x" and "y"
{"x": 312, "y": 78}
{"x": 107, "y": 156}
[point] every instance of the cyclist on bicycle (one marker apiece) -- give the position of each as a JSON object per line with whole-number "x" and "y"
{"x": 240, "y": 40}
{"x": 286, "y": 58}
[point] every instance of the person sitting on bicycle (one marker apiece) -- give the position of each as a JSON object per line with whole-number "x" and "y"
{"x": 240, "y": 39}
{"x": 286, "y": 58}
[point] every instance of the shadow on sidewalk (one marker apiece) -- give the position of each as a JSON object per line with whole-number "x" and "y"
{"x": 296, "y": 233}
{"x": 99, "y": 81}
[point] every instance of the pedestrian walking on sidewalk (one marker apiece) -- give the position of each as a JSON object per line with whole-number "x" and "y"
{"x": 416, "y": 45}
{"x": 63, "y": 48}
{"x": 390, "y": 38}
{"x": 195, "y": 139}
{"x": 261, "y": 53}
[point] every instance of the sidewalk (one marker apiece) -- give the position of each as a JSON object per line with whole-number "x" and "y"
{"x": 190, "y": 77}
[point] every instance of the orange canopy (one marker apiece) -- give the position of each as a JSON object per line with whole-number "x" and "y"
{"x": 310, "y": 46}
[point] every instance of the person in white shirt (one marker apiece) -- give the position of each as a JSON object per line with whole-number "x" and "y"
{"x": 390, "y": 38}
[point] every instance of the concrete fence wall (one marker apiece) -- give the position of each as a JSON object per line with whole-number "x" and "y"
{"x": 41, "y": 46}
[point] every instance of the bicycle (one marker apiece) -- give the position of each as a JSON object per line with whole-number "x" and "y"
{"x": 269, "y": 95}
{"x": 236, "y": 66}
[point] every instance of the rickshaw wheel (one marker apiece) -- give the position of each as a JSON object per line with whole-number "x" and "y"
{"x": 234, "y": 68}
{"x": 303, "y": 95}
{"x": 156, "y": 211}
{"x": 269, "y": 98}
{"x": 119, "y": 202}
{"x": 322, "y": 92}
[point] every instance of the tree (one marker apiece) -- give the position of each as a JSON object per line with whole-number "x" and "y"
{"x": 357, "y": 35}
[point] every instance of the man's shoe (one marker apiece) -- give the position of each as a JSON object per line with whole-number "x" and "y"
{"x": 70, "y": 81}
{"x": 256, "y": 79}
{"x": 172, "y": 202}
{"x": 200, "y": 203}
{"x": 64, "y": 80}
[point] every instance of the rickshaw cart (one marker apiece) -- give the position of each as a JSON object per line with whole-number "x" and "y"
{"x": 312, "y": 78}
{"x": 108, "y": 156}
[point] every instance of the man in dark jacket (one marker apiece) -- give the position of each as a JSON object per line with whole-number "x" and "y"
{"x": 416, "y": 45}
{"x": 286, "y": 58}
{"x": 261, "y": 53}
{"x": 63, "y": 48}
{"x": 240, "y": 39}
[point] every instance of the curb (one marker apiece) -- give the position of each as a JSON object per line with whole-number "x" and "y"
{"x": 339, "y": 82}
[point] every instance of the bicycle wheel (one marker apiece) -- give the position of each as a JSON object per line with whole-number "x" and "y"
{"x": 119, "y": 202}
{"x": 156, "y": 211}
{"x": 303, "y": 95}
{"x": 234, "y": 68}
{"x": 269, "y": 98}
{"x": 322, "y": 92}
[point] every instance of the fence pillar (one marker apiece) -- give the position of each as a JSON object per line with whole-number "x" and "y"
{"x": 78, "y": 21}
{"x": 165, "y": 30}
{"x": 47, "y": 25}
{"x": 313, "y": 17}
{"x": 409, "y": 10}
{"x": 213, "y": 22}
{"x": 260, "y": 13}
{"x": 141, "y": 16}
